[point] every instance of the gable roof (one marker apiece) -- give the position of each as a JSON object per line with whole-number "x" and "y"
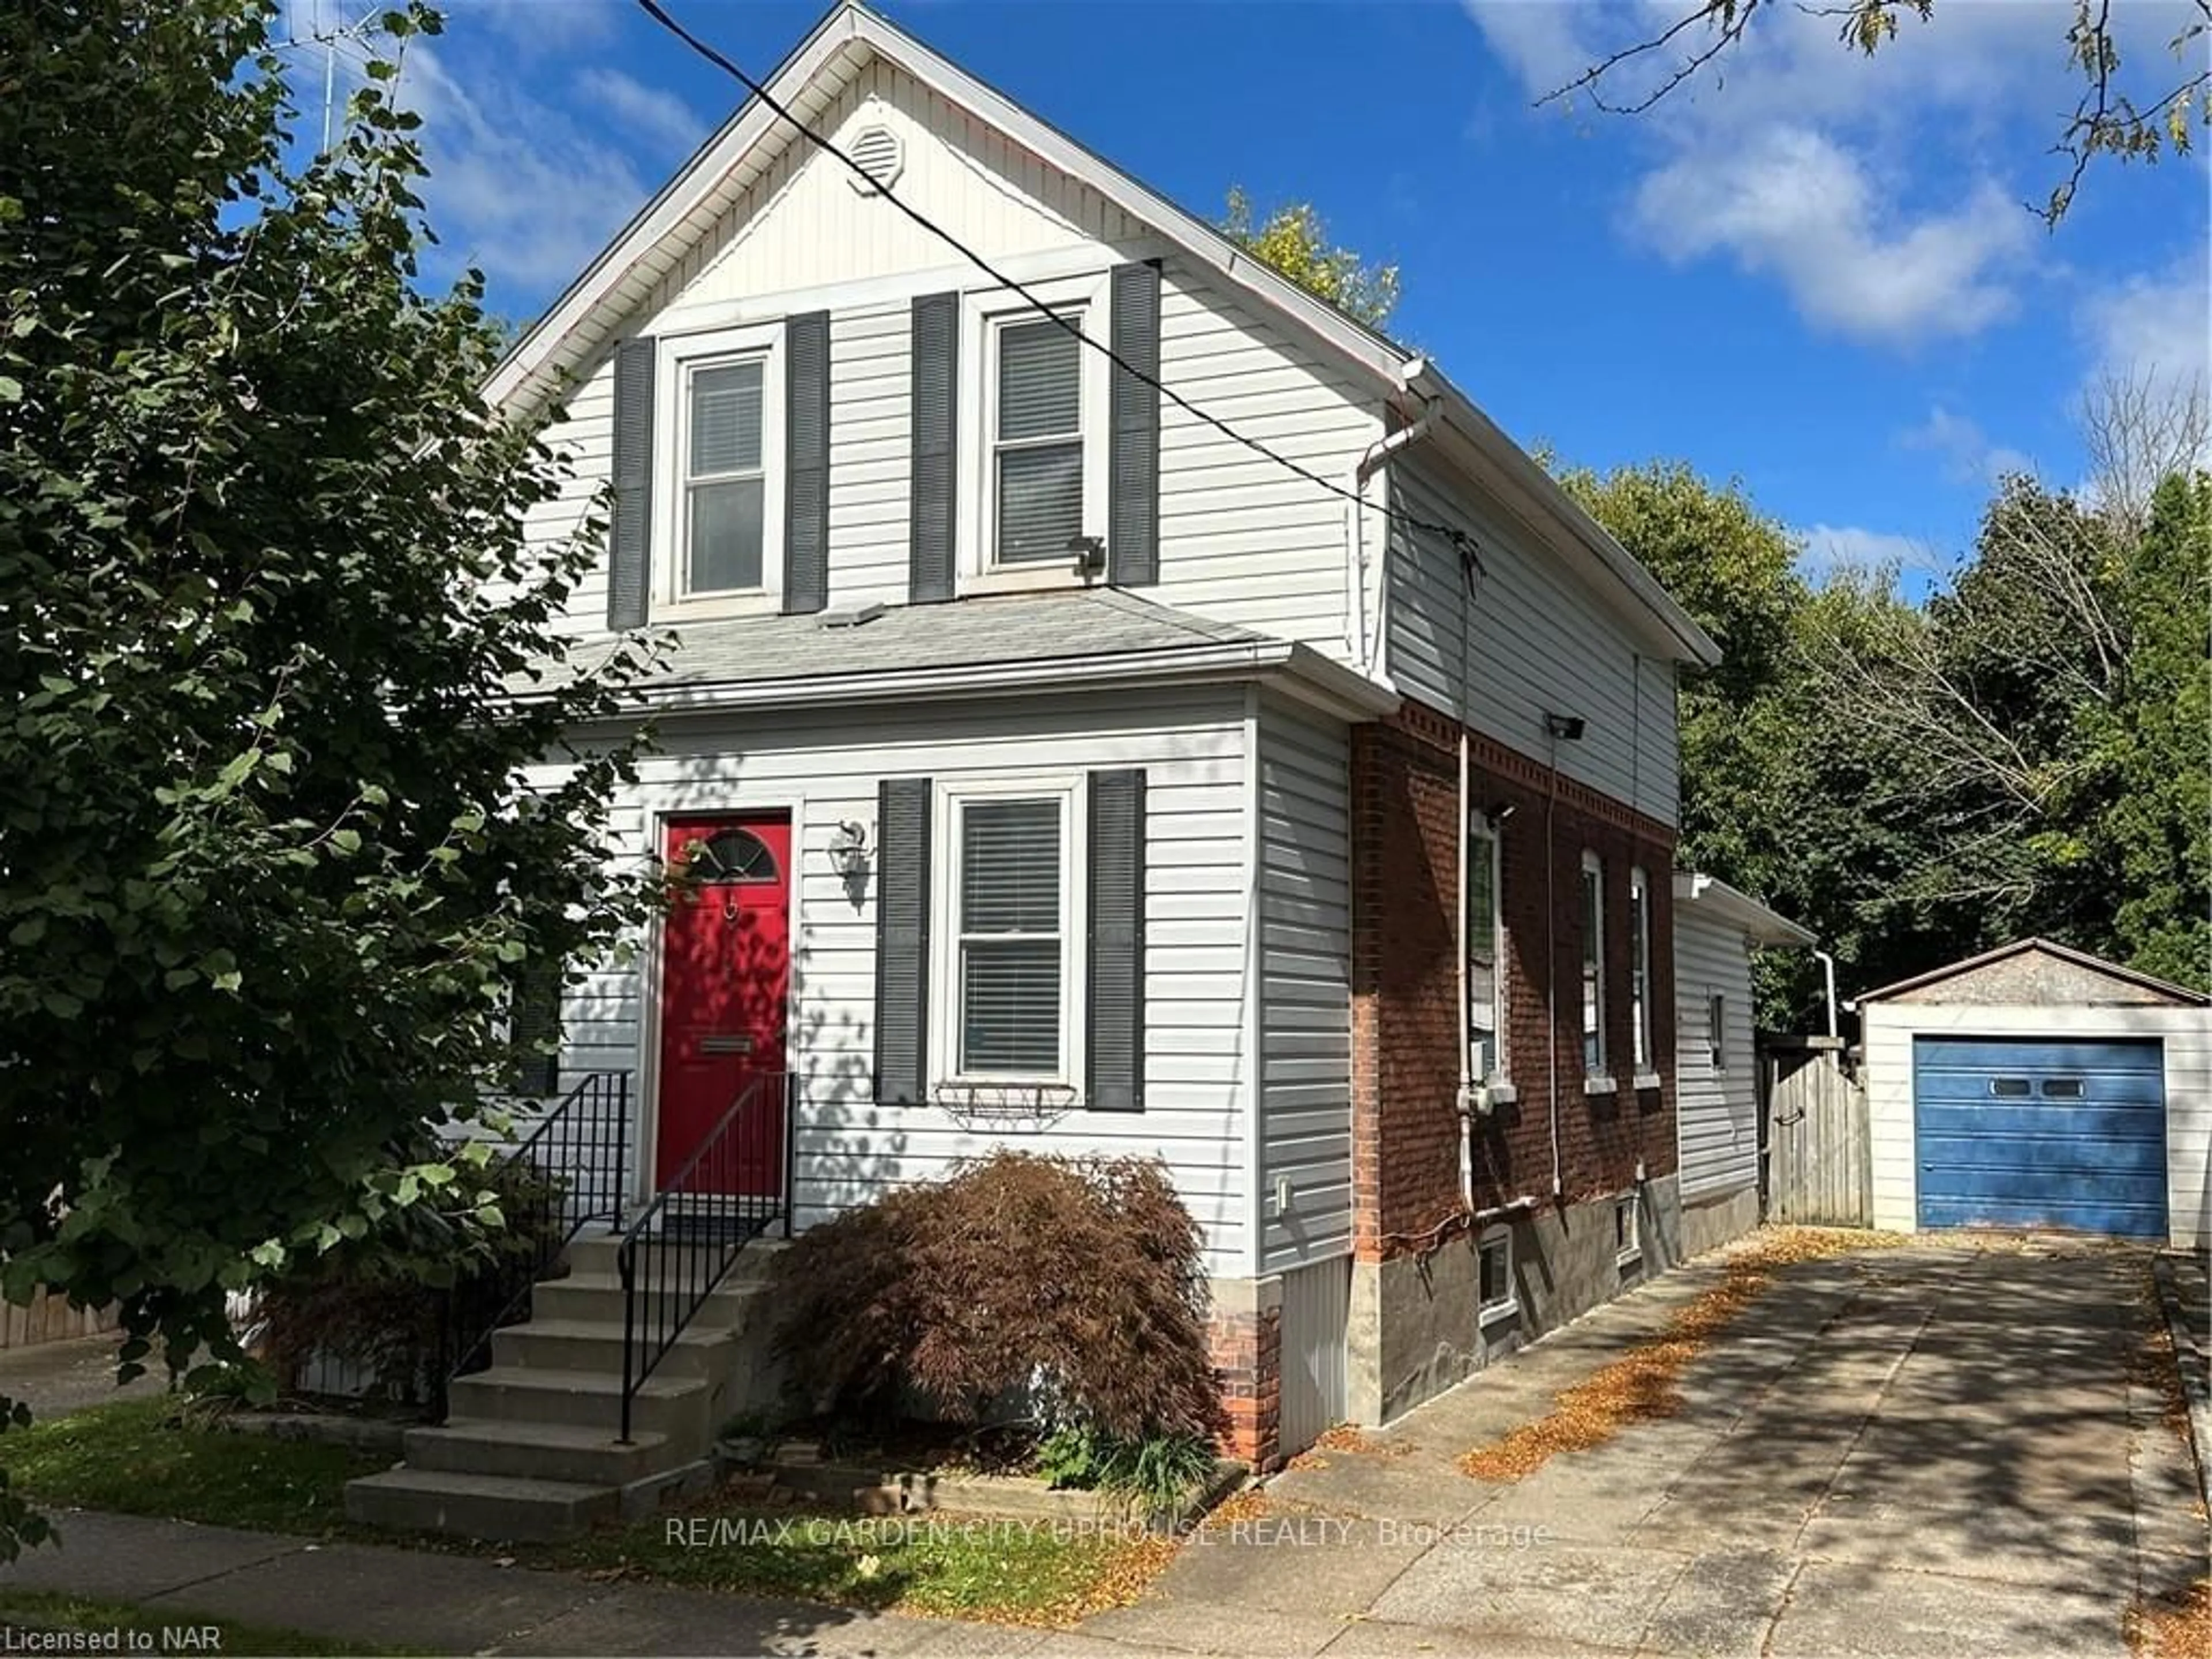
{"x": 2066, "y": 953}
{"x": 993, "y": 645}
{"x": 579, "y": 325}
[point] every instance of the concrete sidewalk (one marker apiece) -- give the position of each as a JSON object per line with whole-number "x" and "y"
{"x": 458, "y": 1604}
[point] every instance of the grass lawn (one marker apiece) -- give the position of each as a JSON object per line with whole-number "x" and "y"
{"x": 1007, "y": 1572}
{"x": 50, "y": 1610}
{"x": 134, "y": 1458}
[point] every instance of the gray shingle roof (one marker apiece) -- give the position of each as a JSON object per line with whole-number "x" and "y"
{"x": 970, "y": 633}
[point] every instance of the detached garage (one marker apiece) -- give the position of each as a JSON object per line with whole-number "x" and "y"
{"x": 2038, "y": 1087}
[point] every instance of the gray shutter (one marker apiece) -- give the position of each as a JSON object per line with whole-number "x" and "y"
{"x": 901, "y": 939}
{"x": 1133, "y": 489}
{"x": 536, "y": 1024}
{"x": 807, "y": 463}
{"x": 936, "y": 407}
{"x": 629, "y": 551}
{"x": 1115, "y": 1044}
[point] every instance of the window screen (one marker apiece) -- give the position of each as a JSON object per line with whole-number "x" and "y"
{"x": 724, "y": 485}
{"x": 1039, "y": 443}
{"x": 1010, "y": 938}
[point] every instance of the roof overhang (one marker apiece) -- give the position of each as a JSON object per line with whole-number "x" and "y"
{"x": 2180, "y": 994}
{"x": 1297, "y": 671}
{"x": 579, "y": 325}
{"x": 1731, "y": 907}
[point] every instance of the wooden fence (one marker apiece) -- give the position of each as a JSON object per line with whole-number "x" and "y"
{"x": 1819, "y": 1156}
{"x": 50, "y": 1319}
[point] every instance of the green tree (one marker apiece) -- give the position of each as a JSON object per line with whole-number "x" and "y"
{"x": 271, "y": 864}
{"x": 1294, "y": 241}
{"x": 2120, "y": 112}
{"x": 2139, "y": 805}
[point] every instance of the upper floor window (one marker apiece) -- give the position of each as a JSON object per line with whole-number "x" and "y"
{"x": 1036, "y": 446}
{"x": 1717, "y": 1031}
{"x": 1594, "y": 1056}
{"x": 1639, "y": 970}
{"x": 1485, "y": 955}
{"x": 719, "y": 521}
{"x": 1033, "y": 443}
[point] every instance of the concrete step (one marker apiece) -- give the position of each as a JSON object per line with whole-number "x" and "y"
{"x": 598, "y": 1298}
{"x": 540, "y": 1451}
{"x": 487, "y": 1506}
{"x": 595, "y": 1253}
{"x": 595, "y": 1345}
{"x": 677, "y": 1406}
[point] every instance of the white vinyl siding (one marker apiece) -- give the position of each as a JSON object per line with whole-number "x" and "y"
{"x": 1541, "y": 644}
{"x": 824, "y": 767}
{"x": 1305, "y": 1022}
{"x": 2186, "y": 1034}
{"x": 1716, "y": 1112}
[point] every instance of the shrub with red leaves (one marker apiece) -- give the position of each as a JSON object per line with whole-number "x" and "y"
{"x": 1074, "y": 1286}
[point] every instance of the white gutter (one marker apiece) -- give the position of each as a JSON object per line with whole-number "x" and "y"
{"x": 1304, "y": 672}
{"x": 1828, "y": 971}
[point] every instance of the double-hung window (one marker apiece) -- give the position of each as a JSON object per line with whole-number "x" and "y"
{"x": 1011, "y": 1010}
{"x": 1036, "y": 442}
{"x": 1639, "y": 972}
{"x": 1594, "y": 1056}
{"x": 718, "y": 520}
{"x": 1033, "y": 441}
{"x": 1486, "y": 976}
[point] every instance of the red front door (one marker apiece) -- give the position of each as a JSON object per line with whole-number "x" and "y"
{"x": 726, "y": 971}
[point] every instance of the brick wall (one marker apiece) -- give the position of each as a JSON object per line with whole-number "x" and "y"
{"x": 1247, "y": 1356}
{"x": 1405, "y": 1058}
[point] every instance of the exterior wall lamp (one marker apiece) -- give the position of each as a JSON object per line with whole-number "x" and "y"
{"x": 849, "y": 849}
{"x": 1569, "y": 726}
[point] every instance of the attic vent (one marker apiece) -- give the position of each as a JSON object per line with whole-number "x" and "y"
{"x": 880, "y": 157}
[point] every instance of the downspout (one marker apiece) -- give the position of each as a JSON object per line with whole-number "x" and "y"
{"x": 1466, "y": 1079}
{"x": 1551, "y": 958}
{"x": 1376, "y": 456}
{"x": 1828, "y": 971}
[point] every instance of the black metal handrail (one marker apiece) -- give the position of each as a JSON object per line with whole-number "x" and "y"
{"x": 579, "y": 1152}
{"x": 696, "y": 1223}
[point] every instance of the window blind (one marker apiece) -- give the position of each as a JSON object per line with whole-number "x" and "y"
{"x": 1011, "y": 945}
{"x": 1040, "y": 442}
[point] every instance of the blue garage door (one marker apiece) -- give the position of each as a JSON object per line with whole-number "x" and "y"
{"x": 2019, "y": 1133}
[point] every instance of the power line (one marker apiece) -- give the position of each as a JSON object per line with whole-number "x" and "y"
{"x": 1470, "y": 553}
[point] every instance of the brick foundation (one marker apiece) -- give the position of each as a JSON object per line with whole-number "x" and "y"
{"x": 1247, "y": 1355}
{"x": 1405, "y": 1012}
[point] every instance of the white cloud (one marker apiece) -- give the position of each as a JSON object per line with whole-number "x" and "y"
{"x": 521, "y": 188}
{"x": 661, "y": 119}
{"x": 1965, "y": 449}
{"x": 2156, "y": 325}
{"x": 1826, "y": 552}
{"x": 1795, "y": 204}
{"x": 1793, "y": 155}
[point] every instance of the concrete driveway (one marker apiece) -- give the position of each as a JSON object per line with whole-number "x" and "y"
{"x": 1934, "y": 1449}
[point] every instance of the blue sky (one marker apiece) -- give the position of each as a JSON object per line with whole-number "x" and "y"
{"x": 1818, "y": 277}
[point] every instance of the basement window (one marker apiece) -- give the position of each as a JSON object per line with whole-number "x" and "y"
{"x": 1494, "y": 1258}
{"x": 1627, "y": 1234}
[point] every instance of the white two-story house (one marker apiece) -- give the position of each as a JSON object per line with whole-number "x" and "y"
{"x": 1240, "y": 754}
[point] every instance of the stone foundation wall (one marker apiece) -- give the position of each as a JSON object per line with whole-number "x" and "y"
{"x": 1710, "y": 1223}
{"x": 1415, "y": 1326}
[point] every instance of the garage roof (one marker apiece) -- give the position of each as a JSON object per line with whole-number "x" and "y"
{"x": 2160, "y": 990}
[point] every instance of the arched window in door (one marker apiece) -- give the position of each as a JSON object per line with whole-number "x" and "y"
{"x": 729, "y": 857}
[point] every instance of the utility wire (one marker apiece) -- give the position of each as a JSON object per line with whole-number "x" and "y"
{"x": 1469, "y": 552}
